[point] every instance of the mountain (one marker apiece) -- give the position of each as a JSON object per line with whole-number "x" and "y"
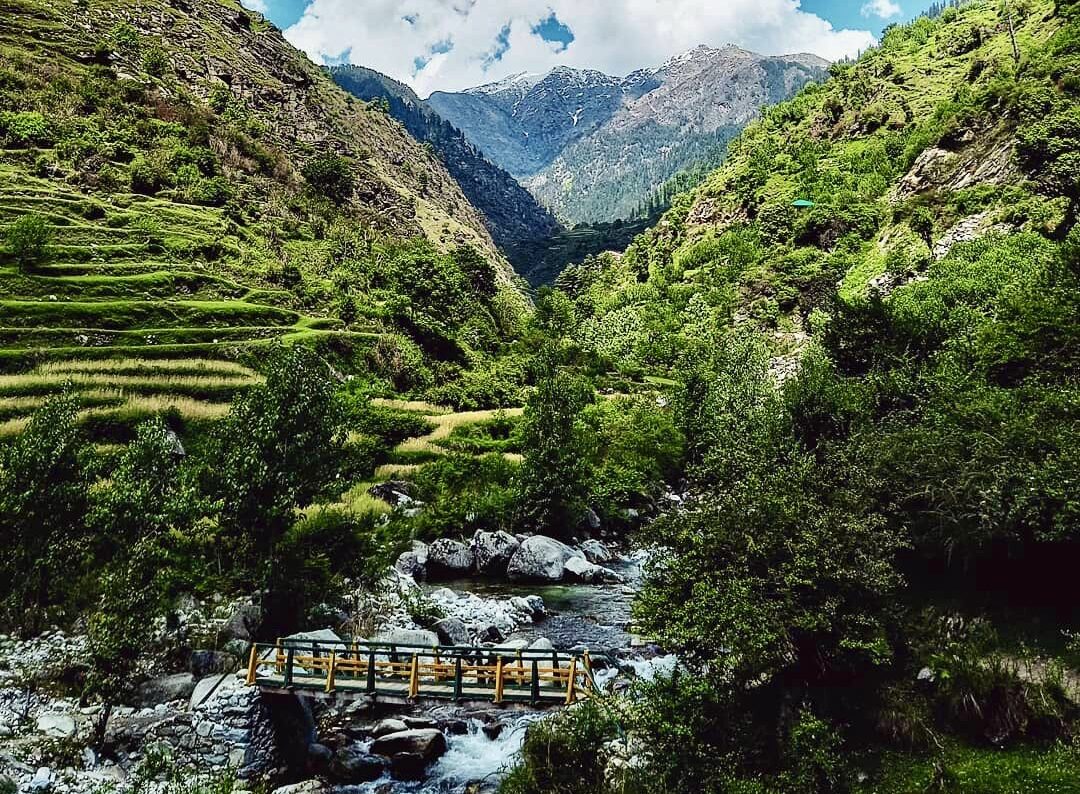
{"x": 595, "y": 147}
{"x": 513, "y": 215}
{"x": 178, "y": 182}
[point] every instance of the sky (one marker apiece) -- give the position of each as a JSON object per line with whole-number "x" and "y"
{"x": 449, "y": 45}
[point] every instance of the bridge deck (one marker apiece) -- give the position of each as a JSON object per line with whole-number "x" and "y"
{"x": 398, "y": 673}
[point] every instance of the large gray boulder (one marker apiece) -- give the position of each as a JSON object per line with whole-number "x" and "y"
{"x": 428, "y": 743}
{"x": 449, "y": 559}
{"x": 166, "y": 689}
{"x": 352, "y": 765}
{"x": 56, "y": 726}
{"x": 540, "y": 559}
{"x": 415, "y": 637}
{"x": 414, "y": 562}
{"x": 596, "y": 552}
{"x": 243, "y": 624}
{"x": 493, "y": 551}
{"x": 452, "y": 631}
{"x": 578, "y": 569}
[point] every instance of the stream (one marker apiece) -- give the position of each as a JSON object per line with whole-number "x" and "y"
{"x": 595, "y": 616}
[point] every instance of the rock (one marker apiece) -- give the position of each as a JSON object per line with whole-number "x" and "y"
{"x": 493, "y": 551}
{"x": 596, "y": 552}
{"x": 414, "y": 563}
{"x": 452, "y": 631}
{"x": 540, "y": 559}
{"x": 307, "y": 787}
{"x": 493, "y": 730}
{"x": 449, "y": 559}
{"x": 56, "y": 726}
{"x": 408, "y": 766}
{"x": 243, "y": 624}
{"x": 393, "y": 492}
{"x": 352, "y": 765}
{"x": 420, "y": 722}
{"x": 322, "y": 636}
{"x": 388, "y": 726}
{"x": 176, "y": 447}
{"x": 41, "y": 781}
{"x": 541, "y": 644}
{"x": 429, "y": 743}
{"x": 204, "y": 663}
{"x": 592, "y": 520}
{"x": 489, "y": 633}
{"x": 167, "y": 689}
{"x": 416, "y": 637}
{"x": 319, "y": 757}
{"x": 203, "y": 689}
{"x": 581, "y": 570}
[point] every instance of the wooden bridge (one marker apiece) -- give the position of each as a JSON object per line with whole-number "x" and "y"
{"x": 399, "y": 674}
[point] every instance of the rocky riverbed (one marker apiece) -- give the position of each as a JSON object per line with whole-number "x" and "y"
{"x": 205, "y": 721}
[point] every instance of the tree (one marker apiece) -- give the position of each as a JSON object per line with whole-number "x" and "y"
{"x": 273, "y": 454}
{"x": 44, "y": 486}
{"x": 479, "y": 271}
{"x": 28, "y": 240}
{"x": 553, "y": 483}
{"x": 329, "y": 176}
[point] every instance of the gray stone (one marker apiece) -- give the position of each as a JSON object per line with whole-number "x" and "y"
{"x": 592, "y": 520}
{"x": 41, "y": 781}
{"x": 416, "y": 637}
{"x": 206, "y": 662}
{"x": 167, "y": 689}
{"x": 56, "y": 726}
{"x": 452, "y": 631}
{"x": 540, "y": 559}
{"x": 319, "y": 757}
{"x": 307, "y": 787}
{"x": 243, "y": 623}
{"x": 388, "y": 726}
{"x": 414, "y": 562}
{"x": 596, "y": 552}
{"x": 420, "y": 722}
{"x": 578, "y": 569}
{"x": 429, "y": 743}
{"x": 449, "y": 559}
{"x": 493, "y": 551}
{"x": 203, "y": 689}
{"x": 352, "y": 766}
{"x": 304, "y": 638}
{"x": 408, "y": 766}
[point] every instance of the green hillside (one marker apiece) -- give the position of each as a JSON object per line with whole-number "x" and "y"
{"x": 201, "y": 191}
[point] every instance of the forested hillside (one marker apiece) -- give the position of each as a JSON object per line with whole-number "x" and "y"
{"x": 179, "y": 183}
{"x": 512, "y": 214}
{"x": 871, "y": 587}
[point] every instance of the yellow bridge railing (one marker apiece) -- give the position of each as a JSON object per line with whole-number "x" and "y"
{"x": 537, "y": 677}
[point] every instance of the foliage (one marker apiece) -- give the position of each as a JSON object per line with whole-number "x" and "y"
{"x": 329, "y": 175}
{"x": 553, "y": 482}
{"x": 28, "y": 240}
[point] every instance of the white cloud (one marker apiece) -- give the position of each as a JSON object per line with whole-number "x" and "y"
{"x": 613, "y": 36}
{"x": 256, "y": 5}
{"x": 885, "y": 9}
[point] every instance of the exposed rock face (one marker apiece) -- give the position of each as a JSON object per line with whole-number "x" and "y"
{"x": 541, "y": 559}
{"x": 493, "y": 551}
{"x": 167, "y": 689}
{"x": 596, "y": 552}
{"x": 581, "y": 570}
{"x": 581, "y": 138}
{"x": 448, "y": 559}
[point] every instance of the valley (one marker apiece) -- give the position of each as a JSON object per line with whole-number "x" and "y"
{"x": 717, "y": 424}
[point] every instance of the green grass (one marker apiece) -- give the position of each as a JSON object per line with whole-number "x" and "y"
{"x": 123, "y": 315}
{"x": 981, "y": 771}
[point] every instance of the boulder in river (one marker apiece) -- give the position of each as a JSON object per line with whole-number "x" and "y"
{"x": 596, "y": 552}
{"x": 452, "y": 631}
{"x": 493, "y": 551}
{"x": 415, "y": 637}
{"x": 429, "y": 743}
{"x": 414, "y": 562}
{"x": 449, "y": 559}
{"x": 388, "y": 726}
{"x": 540, "y": 559}
{"x": 578, "y": 569}
{"x": 352, "y": 765}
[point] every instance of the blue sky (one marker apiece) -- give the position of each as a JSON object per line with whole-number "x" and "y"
{"x": 453, "y": 44}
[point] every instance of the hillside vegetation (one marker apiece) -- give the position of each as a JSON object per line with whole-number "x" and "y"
{"x": 178, "y": 183}
{"x": 871, "y": 310}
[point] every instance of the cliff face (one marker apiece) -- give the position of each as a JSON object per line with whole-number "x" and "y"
{"x": 595, "y": 147}
{"x": 511, "y": 213}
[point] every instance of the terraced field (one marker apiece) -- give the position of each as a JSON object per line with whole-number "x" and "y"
{"x": 142, "y": 306}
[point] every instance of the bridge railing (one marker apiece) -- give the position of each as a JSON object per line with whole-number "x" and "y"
{"x": 450, "y": 672}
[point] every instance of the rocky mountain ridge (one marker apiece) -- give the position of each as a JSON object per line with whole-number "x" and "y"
{"x": 593, "y": 147}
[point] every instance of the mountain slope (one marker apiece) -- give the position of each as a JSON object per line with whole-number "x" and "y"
{"x": 594, "y": 147}
{"x": 197, "y": 189}
{"x": 512, "y": 213}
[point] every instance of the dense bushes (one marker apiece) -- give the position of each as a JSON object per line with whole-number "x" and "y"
{"x": 28, "y": 240}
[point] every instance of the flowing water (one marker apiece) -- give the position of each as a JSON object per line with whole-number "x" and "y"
{"x": 595, "y": 616}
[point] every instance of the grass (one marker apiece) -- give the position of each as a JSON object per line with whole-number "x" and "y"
{"x": 35, "y": 383}
{"x": 415, "y": 406}
{"x": 971, "y": 770}
{"x": 139, "y": 365}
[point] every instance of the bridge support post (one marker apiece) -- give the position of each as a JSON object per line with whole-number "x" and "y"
{"x": 414, "y": 676}
{"x": 253, "y": 661}
{"x": 535, "y": 682}
{"x": 331, "y": 670}
{"x": 499, "y": 670}
{"x": 371, "y": 673}
{"x": 571, "y": 680}
{"x": 289, "y": 668}
{"x": 457, "y": 679}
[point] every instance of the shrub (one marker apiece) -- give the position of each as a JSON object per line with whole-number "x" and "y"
{"x": 28, "y": 240}
{"x": 25, "y": 129}
{"x": 147, "y": 176}
{"x": 329, "y": 176}
{"x": 156, "y": 61}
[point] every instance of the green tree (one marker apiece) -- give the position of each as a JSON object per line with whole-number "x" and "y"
{"x": 276, "y": 450}
{"x": 44, "y": 486}
{"x": 28, "y": 240}
{"x": 553, "y": 482}
{"x": 329, "y": 176}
